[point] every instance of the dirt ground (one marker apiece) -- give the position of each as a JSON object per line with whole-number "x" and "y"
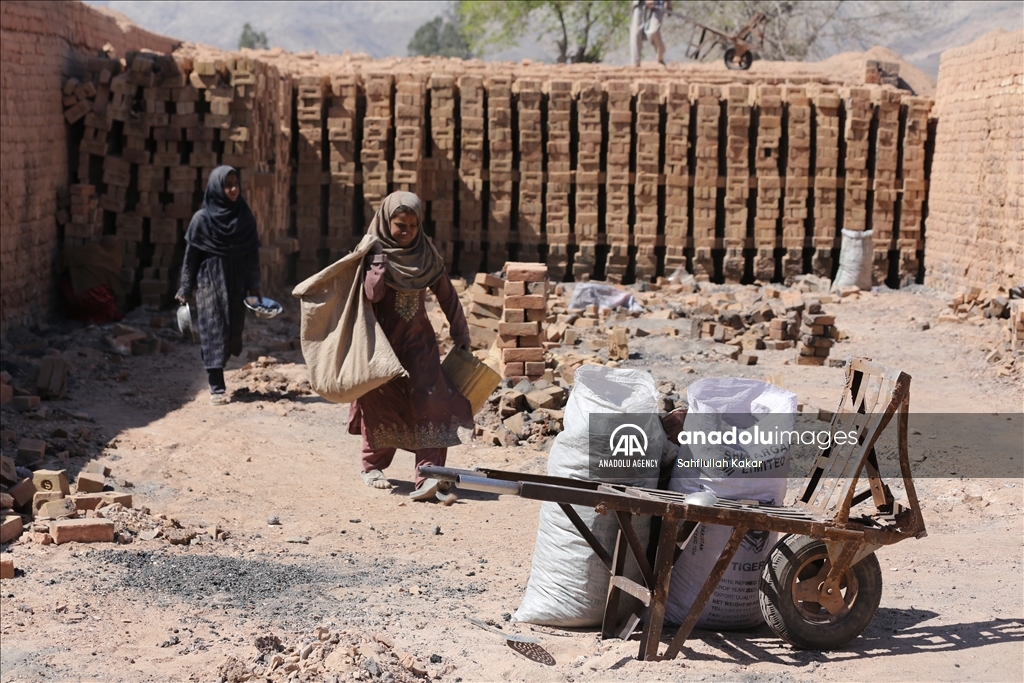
{"x": 347, "y": 563}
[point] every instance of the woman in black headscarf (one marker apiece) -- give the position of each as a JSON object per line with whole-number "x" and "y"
{"x": 221, "y": 265}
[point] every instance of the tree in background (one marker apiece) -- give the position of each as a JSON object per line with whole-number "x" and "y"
{"x": 441, "y": 37}
{"x": 799, "y": 31}
{"x": 256, "y": 40}
{"x": 583, "y": 30}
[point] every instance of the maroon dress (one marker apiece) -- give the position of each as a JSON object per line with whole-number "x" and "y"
{"x": 421, "y": 412}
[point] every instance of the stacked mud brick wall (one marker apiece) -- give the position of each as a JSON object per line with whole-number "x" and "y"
{"x": 595, "y": 171}
{"x": 42, "y": 44}
{"x": 611, "y": 178}
{"x": 975, "y": 223}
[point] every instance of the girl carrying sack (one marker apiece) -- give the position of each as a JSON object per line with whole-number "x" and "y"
{"x": 345, "y": 349}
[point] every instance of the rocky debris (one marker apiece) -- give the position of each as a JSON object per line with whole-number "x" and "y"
{"x": 331, "y": 655}
{"x": 260, "y": 380}
{"x": 736, "y": 322}
{"x": 54, "y": 510}
{"x": 522, "y": 412}
{"x": 975, "y": 305}
{"x": 131, "y": 341}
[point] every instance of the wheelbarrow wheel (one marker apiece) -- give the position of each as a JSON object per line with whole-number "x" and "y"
{"x": 745, "y": 61}
{"x": 791, "y": 578}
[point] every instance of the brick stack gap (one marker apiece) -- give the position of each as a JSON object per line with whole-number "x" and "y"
{"x": 859, "y": 112}
{"x": 310, "y": 174}
{"x": 883, "y": 214}
{"x": 908, "y": 241}
{"x": 376, "y": 150}
{"x": 826, "y": 165}
{"x": 440, "y": 182}
{"x": 769, "y": 183}
{"x": 559, "y": 177}
{"x": 520, "y": 334}
{"x": 499, "y": 140}
{"x": 529, "y": 222}
{"x": 737, "y": 180}
{"x": 342, "y": 229}
{"x": 677, "y": 174}
{"x": 589, "y": 101}
{"x": 705, "y": 181}
{"x": 617, "y": 187}
{"x": 410, "y": 122}
{"x": 471, "y": 172}
{"x": 798, "y": 166}
{"x": 645, "y": 190}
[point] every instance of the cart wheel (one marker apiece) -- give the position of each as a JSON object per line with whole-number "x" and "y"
{"x": 745, "y": 61}
{"x": 790, "y": 581}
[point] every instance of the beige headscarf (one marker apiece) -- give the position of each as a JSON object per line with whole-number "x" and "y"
{"x": 411, "y": 268}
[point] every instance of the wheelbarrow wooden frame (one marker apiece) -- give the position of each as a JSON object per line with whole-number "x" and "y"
{"x": 873, "y": 395}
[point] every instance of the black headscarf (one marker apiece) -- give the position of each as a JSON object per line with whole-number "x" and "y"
{"x": 223, "y": 227}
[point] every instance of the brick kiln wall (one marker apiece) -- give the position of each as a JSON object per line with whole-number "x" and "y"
{"x": 41, "y": 45}
{"x": 975, "y": 224}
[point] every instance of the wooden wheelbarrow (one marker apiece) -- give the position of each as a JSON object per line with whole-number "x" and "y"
{"x": 822, "y": 583}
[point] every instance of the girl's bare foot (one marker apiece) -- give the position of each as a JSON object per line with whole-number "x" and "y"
{"x": 375, "y": 479}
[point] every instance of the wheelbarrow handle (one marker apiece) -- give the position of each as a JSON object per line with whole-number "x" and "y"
{"x": 471, "y": 480}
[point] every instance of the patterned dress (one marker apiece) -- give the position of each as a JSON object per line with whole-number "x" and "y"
{"x": 221, "y": 283}
{"x": 425, "y": 409}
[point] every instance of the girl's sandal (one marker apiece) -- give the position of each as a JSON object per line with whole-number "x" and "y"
{"x": 375, "y": 479}
{"x": 426, "y": 491}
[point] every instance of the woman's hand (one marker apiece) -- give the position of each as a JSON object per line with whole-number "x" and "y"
{"x": 181, "y": 298}
{"x": 256, "y": 293}
{"x": 464, "y": 344}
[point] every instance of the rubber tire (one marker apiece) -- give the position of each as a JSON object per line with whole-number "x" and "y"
{"x": 745, "y": 61}
{"x": 795, "y": 625}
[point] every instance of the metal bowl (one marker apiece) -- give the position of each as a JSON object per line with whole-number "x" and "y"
{"x": 264, "y": 308}
{"x": 702, "y": 498}
{"x": 185, "y": 324}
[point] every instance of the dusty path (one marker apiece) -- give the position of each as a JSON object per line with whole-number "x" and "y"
{"x": 354, "y": 560}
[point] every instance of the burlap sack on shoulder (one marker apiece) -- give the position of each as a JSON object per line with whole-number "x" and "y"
{"x": 344, "y": 346}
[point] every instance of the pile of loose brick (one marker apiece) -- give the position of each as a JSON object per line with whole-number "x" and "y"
{"x": 520, "y": 332}
{"x": 596, "y": 173}
{"x": 46, "y": 496}
{"x": 975, "y": 304}
{"x": 327, "y": 655}
{"x": 734, "y": 323}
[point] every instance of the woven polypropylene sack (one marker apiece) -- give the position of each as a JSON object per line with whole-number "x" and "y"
{"x": 855, "y": 256}
{"x": 713, "y": 404}
{"x": 346, "y": 352}
{"x": 568, "y": 582}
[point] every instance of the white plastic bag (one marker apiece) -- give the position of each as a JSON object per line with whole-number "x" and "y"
{"x": 602, "y": 296}
{"x": 720, "y": 405}
{"x": 855, "y": 258}
{"x": 568, "y": 583}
